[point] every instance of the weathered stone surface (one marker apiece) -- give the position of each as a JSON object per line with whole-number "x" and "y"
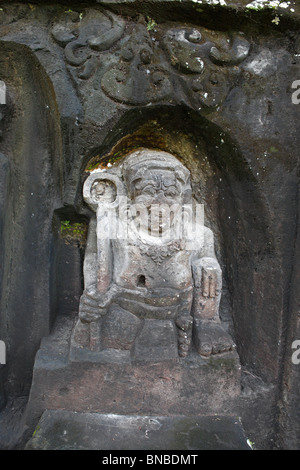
{"x": 66, "y": 430}
{"x": 118, "y": 383}
{"x": 157, "y": 341}
{"x": 242, "y": 155}
{"x": 120, "y": 329}
{"x": 29, "y": 205}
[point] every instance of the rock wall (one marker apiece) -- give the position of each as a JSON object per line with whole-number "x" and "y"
{"x": 208, "y": 82}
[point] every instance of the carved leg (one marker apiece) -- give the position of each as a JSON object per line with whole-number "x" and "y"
{"x": 82, "y": 334}
{"x": 95, "y": 335}
{"x": 209, "y": 335}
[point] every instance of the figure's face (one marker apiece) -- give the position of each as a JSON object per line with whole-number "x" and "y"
{"x": 158, "y": 187}
{"x": 157, "y": 191}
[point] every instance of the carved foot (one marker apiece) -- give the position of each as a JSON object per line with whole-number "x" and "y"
{"x": 211, "y": 338}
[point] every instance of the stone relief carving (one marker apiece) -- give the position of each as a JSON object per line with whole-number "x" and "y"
{"x": 81, "y": 35}
{"x": 174, "y": 64}
{"x": 137, "y": 78}
{"x": 150, "y": 291}
{"x": 198, "y": 55}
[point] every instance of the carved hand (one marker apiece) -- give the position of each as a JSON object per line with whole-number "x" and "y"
{"x": 94, "y": 305}
{"x": 207, "y": 276}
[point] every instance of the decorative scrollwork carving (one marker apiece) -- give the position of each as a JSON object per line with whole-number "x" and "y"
{"x": 175, "y": 64}
{"x": 80, "y": 34}
{"x": 197, "y": 55}
{"x": 136, "y": 79}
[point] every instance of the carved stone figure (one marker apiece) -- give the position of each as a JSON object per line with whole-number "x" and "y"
{"x": 150, "y": 288}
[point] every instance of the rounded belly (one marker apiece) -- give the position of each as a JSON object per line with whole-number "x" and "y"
{"x": 135, "y": 269}
{"x": 155, "y": 277}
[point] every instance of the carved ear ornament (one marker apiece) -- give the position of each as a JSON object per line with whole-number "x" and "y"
{"x": 99, "y": 176}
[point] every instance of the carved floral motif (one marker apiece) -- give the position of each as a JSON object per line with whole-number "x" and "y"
{"x": 138, "y": 67}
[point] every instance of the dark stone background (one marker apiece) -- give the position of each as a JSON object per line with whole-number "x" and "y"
{"x": 243, "y": 156}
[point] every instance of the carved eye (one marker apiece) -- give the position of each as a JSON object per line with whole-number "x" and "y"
{"x": 149, "y": 190}
{"x": 171, "y": 192}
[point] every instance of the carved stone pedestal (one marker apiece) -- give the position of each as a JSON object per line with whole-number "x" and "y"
{"x": 117, "y": 384}
{"x": 66, "y": 430}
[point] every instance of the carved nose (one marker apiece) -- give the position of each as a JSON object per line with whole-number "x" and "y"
{"x": 160, "y": 198}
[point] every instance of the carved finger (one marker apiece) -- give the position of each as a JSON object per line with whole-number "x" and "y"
{"x": 212, "y": 284}
{"x": 88, "y": 301}
{"x": 209, "y": 282}
{"x": 184, "y": 323}
{"x": 88, "y": 316}
{"x": 205, "y": 283}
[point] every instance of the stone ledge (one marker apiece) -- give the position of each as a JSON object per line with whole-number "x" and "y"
{"x": 66, "y": 430}
{"x": 190, "y": 386}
